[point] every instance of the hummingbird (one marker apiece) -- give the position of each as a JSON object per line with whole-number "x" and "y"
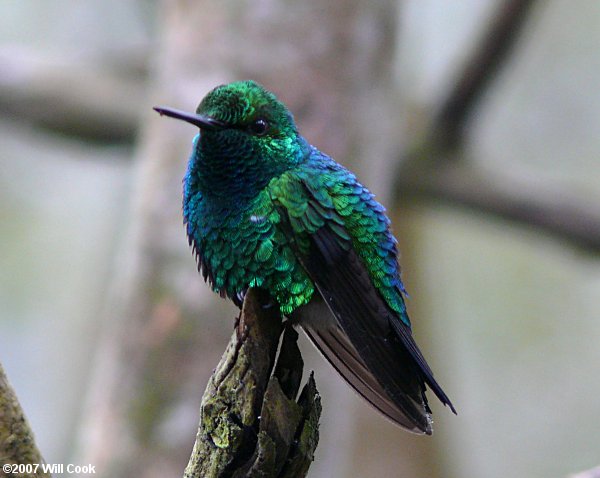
{"x": 263, "y": 208}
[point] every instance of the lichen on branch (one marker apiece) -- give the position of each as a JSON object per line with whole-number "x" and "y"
{"x": 250, "y": 421}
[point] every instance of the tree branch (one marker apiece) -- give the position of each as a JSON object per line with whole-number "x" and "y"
{"x": 433, "y": 168}
{"x": 543, "y": 208}
{"x": 90, "y": 101}
{"x": 17, "y": 443}
{"x": 250, "y": 423}
{"x": 491, "y": 53}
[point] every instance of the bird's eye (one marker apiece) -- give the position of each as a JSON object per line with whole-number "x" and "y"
{"x": 259, "y": 127}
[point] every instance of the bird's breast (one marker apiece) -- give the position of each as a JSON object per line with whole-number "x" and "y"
{"x": 242, "y": 246}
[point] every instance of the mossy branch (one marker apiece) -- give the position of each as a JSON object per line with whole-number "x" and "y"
{"x": 250, "y": 422}
{"x": 17, "y": 444}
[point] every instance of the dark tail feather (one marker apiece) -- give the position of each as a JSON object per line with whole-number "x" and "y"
{"x": 405, "y": 409}
{"x": 363, "y": 339}
{"x": 407, "y": 340}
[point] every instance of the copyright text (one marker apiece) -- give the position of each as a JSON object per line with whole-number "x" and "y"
{"x": 16, "y": 469}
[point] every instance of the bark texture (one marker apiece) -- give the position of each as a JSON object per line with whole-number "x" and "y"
{"x": 17, "y": 443}
{"x": 250, "y": 422}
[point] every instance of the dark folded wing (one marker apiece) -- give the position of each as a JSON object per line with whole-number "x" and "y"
{"x": 323, "y": 329}
{"x": 341, "y": 237}
{"x": 358, "y": 339}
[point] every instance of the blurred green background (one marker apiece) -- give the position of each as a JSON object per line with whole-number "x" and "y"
{"x": 107, "y": 332}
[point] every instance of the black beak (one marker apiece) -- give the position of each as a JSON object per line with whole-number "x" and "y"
{"x": 202, "y": 122}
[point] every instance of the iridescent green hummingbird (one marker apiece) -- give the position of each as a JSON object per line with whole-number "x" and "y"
{"x": 263, "y": 208}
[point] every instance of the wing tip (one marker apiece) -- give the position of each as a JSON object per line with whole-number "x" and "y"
{"x": 439, "y": 393}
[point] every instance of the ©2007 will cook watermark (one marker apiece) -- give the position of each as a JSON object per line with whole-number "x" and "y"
{"x": 18, "y": 469}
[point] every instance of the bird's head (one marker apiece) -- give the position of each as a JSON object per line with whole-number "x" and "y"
{"x": 243, "y": 122}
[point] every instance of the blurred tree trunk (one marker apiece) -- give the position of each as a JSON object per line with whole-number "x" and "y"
{"x": 161, "y": 337}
